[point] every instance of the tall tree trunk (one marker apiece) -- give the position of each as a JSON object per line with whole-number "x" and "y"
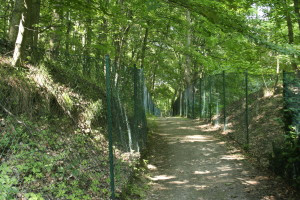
{"x": 15, "y": 20}
{"x": 55, "y": 39}
{"x": 19, "y": 41}
{"x": 154, "y": 77}
{"x": 145, "y": 41}
{"x": 87, "y": 47}
{"x": 297, "y": 11}
{"x": 35, "y": 13}
{"x": 26, "y": 32}
{"x": 187, "y": 69}
{"x": 7, "y": 12}
{"x": 69, "y": 23}
{"x": 290, "y": 33}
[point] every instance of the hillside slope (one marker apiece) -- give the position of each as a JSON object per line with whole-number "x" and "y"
{"x": 53, "y": 143}
{"x": 266, "y": 127}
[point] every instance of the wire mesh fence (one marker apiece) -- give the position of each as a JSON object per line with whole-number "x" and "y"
{"x": 260, "y": 112}
{"x": 291, "y": 94}
{"x": 52, "y": 136}
{"x": 226, "y": 98}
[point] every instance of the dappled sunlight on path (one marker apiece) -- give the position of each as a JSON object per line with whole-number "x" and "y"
{"x": 190, "y": 163}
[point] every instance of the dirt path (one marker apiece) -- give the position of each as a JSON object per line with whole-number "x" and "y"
{"x": 189, "y": 163}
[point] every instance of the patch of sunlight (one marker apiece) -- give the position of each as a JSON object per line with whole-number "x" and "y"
{"x": 252, "y": 182}
{"x": 249, "y": 182}
{"x": 151, "y": 167}
{"x": 232, "y": 157}
{"x": 204, "y": 126}
{"x": 224, "y": 168}
{"x": 198, "y": 138}
{"x": 187, "y": 128}
{"x": 269, "y": 198}
{"x": 208, "y": 128}
{"x": 164, "y": 134}
{"x": 202, "y": 172}
{"x": 191, "y": 138}
{"x": 179, "y": 182}
{"x": 221, "y": 143}
{"x": 200, "y": 187}
{"x": 223, "y": 175}
{"x": 162, "y": 177}
{"x": 268, "y": 92}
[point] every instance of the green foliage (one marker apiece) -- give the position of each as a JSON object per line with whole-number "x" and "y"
{"x": 286, "y": 160}
{"x": 7, "y": 183}
{"x": 43, "y": 163}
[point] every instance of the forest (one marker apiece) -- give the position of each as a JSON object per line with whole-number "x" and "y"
{"x": 190, "y": 58}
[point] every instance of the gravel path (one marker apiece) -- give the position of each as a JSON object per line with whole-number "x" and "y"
{"x": 188, "y": 162}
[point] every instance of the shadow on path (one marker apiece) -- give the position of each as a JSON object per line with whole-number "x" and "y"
{"x": 190, "y": 163}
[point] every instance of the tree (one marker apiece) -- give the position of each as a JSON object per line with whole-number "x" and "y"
{"x": 27, "y": 33}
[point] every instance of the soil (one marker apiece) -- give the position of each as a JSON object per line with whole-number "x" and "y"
{"x": 189, "y": 162}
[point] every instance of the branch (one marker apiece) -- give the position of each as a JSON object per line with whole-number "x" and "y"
{"x": 17, "y": 120}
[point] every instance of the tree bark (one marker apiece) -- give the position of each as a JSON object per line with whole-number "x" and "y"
{"x": 145, "y": 41}
{"x": 55, "y": 39}
{"x": 290, "y": 33}
{"x": 19, "y": 41}
{"x": 15, "y": 20}
{"x": 188, "y": 45}
{"x": 27, "y": 36}
{"x": 35, "y": 16}
{"x": 87, "y": 47}
{"x": 69, "y": 27}
{"x": 297, "y": 11}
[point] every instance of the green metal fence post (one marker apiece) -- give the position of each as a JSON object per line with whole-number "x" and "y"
{"x": 193, "y": 103}
{"x": 246, "y": 114}
{"x": 210, "y": 99}
{"x": 143, "y": 110}
{"x": 224, "y": 100}
{"x": 135, "y": 101}
{"x": 200, "y": 98}
{"x": 109, "y": 125}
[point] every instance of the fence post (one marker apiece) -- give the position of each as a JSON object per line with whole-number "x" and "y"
{"x": 224, "y": 100}
{"x": 246, "y": 115}
{"x": 180, "y": 107}
{"x": 200, "y": 98}
{"x": 109, "y": 125}
{"x": 135, "y": 101}
{"x": 193, "y": 104}
{"x": 210, "y": 99}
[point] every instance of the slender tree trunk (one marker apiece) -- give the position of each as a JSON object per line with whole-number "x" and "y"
{"x": 15, "y": 20}
{"x": 145, "y": 41}
{"x": 69, "y": 27}
{"x": 55, "y": 39}
{"x": 297, "y": 11}
{"x": 87, "y": 47}
{"x": 19, "y": 41}
{"x": 5, "y": 22}
{"x": 26, "y": 32}
{"x": 188, "y": 58}
{"x": 290, "y": 33}
{"x": 35, "y": 31}
{"x": 154, "y": 77}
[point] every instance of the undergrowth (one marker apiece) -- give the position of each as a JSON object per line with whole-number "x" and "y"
{"x": 52, "y": 142}
{"x": 40, "y": 163}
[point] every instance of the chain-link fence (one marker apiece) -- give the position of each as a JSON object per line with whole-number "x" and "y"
{"x": 53, "y": 130}
{"x": 226, "y": 98}
{"x": 291, "y": 94}
{"x": 249, "y": 108}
